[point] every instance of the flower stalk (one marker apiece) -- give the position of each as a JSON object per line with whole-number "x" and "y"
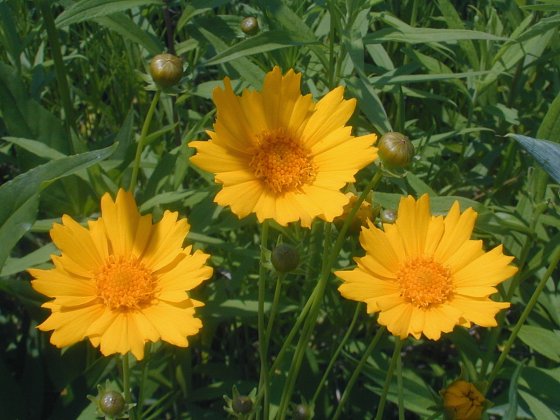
{"x": 357, "y": 371}
{"x": 142, "y": 140}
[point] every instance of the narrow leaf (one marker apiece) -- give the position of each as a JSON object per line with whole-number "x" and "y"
{"x": 545, "y": 152}
{"x": 541, "y": 340}
{"x": 88, "y": 9}
{"x": 20, "y": 196}
{"x": 263, "y": 42}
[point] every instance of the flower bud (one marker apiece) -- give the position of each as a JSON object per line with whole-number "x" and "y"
{"x": 285, "y": 258}
{"x": 388, "y": 216}
{"x": 395, "y": 150}
{"x": 166, "y": 70}
{"x": 242, "y": 404}
{"x": 111, "y": 403}
{"x": 250, "y": 25}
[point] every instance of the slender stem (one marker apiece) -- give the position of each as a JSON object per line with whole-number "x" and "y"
{"x": 126, "y": 383}
{"x": 357, "y": 372}
{"x": 286, "y": 344}
{"x": 387, "y": 384}
{"x": 274, "y": 307}
{"x": 307, "y": 330}
{"x": 262, "y": 333}
{"x": 328, "y": 263}
{"x": 400, "y": 386}
{"x": 141, "y": 141}
{"x": 293, "y": 332}
{"x": 143, "y": 379}
{"x": 524, "y": 315}
{"x": 335, "y": 354}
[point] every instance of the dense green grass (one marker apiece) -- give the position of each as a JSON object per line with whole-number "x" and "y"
{"x": 454, "y": 76}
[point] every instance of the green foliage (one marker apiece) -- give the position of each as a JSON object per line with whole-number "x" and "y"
{"x": 456, "y": 77}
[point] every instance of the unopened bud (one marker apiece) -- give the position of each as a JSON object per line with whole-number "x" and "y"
{"x": 166, "y": 70}
{"x": 111, "y": 403}
{"x": 242, "y": 404}
{"x": 285, "y": 258}
{"x": 388, "y": 216}
{"x": 395, "y": 150}
{"x": 250, "y": 25}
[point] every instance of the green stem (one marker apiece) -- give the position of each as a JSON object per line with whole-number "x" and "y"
{"x": 61, "y": 78}
{"x": 286, "y": 344}
{"x": 387, "y": 384}
{"x": 524, "y": 315}
{"x": 335, "y": 355}
{"x": 263, "y": 381}
{"x": 141, "y": 141}
{"x": 143, "y": 379}
{"x": 357, "y": 372}
{"x": 274, "y": 307}
{"x": 307, "y": 330}
{"x": 319, "y": 291}
{"x": 400, "y": 386}
{"x": 126, "y": 383}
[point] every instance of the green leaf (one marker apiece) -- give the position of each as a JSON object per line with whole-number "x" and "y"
{"x": 36, "y": 147}
{"x": 88, "y": 9}
{"x": 545, "y": 152}
{"x": 369, "y": 103}
{"x": 401, "y": 32}
{"x": 251, "y": 72}
{"x": 511, "y": 413}
{"x": 24, "y": 117}
{"x": 20, "y": 196}
{"x": 263, "y": 42}
{"x": 239, "y": 308}
{"x": 37, "y": 257}
{"x": 123, "y": 25}
{"x": 541, "y": 340}
{"x": 538, "y": 408}
{"x": 16, "y": 224}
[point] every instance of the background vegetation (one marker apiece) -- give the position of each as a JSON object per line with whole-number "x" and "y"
{"x": 455, "y": 76}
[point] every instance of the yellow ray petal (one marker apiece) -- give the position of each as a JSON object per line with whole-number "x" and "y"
{"x": 76, "y": 243}
{"x": 166, "y": 241}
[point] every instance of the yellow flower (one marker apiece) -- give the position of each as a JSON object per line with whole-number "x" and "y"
{"x": 280, "y": 155}
{"x": 122, "y": 281}
{"x": 462, "y": 401}
{"x": 424, "y": 274}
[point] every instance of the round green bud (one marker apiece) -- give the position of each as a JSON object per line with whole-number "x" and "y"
{"x": 242, "y": 404}
{"x": 395, "y": 150}
{"x": 388, "y": 216}
{"x": 250, "y": 25}
{"x": 111, "y": 403}
{"x": 166, "y": 70}
{"x": 285, "y": 258}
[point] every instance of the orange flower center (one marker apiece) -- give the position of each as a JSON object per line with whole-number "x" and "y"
{"x": 281, "y": 163}
{"x": 425, "y": 282}
{"x": 125, "y": 284}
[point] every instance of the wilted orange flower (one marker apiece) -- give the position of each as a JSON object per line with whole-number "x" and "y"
{"x": 424, "y": 274}
{"x": 281, "y": 155}
{"x": 122, "y": 281}
{"x": 462, "y": 401}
